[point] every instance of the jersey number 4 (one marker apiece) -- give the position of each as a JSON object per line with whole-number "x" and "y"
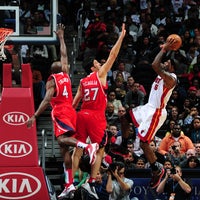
{"x": 65, "y": 92}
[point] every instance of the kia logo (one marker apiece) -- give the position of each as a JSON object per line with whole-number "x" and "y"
{"x": 15, "y": 118}
{"x": 15, "y": 148}
{"x": 18, "y": 185}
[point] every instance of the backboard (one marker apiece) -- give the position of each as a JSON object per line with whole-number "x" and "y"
{"x": 41, "y": 31}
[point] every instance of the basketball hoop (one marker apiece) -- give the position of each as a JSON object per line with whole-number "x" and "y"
{"x": 4, "y": 34}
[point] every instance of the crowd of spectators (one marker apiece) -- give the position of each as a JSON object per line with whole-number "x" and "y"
{"x": 148, "y": 24}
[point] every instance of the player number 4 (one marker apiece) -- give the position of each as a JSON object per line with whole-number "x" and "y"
{"x": 65, "y": 93}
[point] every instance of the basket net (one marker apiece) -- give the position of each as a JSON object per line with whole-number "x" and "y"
{"x": 4, "y": 34}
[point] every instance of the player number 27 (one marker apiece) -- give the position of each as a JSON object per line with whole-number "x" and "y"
{"x": 90, "y": 94}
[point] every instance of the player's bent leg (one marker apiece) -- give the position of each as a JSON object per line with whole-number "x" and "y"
{"x": 76, "y": 156}
{"x": 125, "y": 125}
{"x": 157, "y": 171}
{"x": 148, "y": 152}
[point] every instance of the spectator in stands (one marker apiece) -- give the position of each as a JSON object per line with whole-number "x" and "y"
{"x": 118, "y": 186}
{"x": 191, "y": 115}
{"x": 113, "y": 13}
{"x": 128, "y": 53}
{"x": 121, "y": 68}
{"x": 39, "y": 19}
{"x": 175, "y": 100}
{"x": 144, "y": 47}
{"x": 175, "y": 186}
{"x": 189, "y": 153}
{"x": 29, "y": 27}
{"x": 112, "y": 98}
{"x": 192, "y": 95}
{"x": 140, "y": 163}
{"x": 85, "y": 14}
{"x": 186, "y": 108}
{"x": 121, "y": 112}
{"x": 130, "y": 160}
{"x": 175, "y": 154}
{"x": 194, "y": 72}
{"x": 169, "y": 128}
{"x": 174, "y": 115}
{"x": 196, "y": 84}
{"x": 25, "y": 53}
{"x": 96, "y": 32}
{"x": 134, "y": 97}
{"x": 39, "y": 57}
{"x": 63, "y": 114}
{"x": 192, "y": 163}
{"x": 119, "y": 88}
{"x": 175, "y": 135}
{"x": 38, "y": 87}
{"x": 100, "y": 187}
{"x": 168, "y": 164}
{"x": 147, "y": 27}
{"x": 111, "y": 116}
{"x": 161, "y": 18}
{"x": 194, "y": 131}
{"x": 197, "y": 149}
{"x": 112, "y": 135}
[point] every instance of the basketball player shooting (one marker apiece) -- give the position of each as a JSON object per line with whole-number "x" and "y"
{"x": 150, "y": 117}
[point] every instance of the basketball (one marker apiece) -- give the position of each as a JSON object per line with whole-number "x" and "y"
{"x": 178, "y": 41}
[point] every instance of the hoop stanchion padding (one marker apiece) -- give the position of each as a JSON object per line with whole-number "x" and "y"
{"x": 18, "y": 144}
{"x": 23, "y": 183}
{"x": 27, "y": 79}
{"x": 7, "y": 75}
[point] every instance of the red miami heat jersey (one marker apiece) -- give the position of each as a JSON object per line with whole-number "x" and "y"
{"x": 93, "y": 93}
{"x": 63, "y": 114}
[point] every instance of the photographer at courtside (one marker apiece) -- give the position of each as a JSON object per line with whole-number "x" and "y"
{"x": 118, "y": 187}
{"x": 175, "y": 186}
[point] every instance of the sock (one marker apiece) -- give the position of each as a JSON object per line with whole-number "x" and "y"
{"x": 154, "y": 166}
{"x": 68, "y": 177}
{"x": 81, "y": 144}
{"x": 91, "y": 181}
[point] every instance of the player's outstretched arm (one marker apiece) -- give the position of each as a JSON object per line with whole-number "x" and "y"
{"x": 63, "y": 48}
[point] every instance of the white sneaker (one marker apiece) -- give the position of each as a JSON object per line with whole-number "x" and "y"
{"x": 66, "y": 192}
{"x": 91, "y": 150}
{"x": 90, "y": 189}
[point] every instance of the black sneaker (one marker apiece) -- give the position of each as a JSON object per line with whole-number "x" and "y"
{"x": 90, "y": 189}
{"x": 119, "y": 150}
{"x": 156, "y": 177}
